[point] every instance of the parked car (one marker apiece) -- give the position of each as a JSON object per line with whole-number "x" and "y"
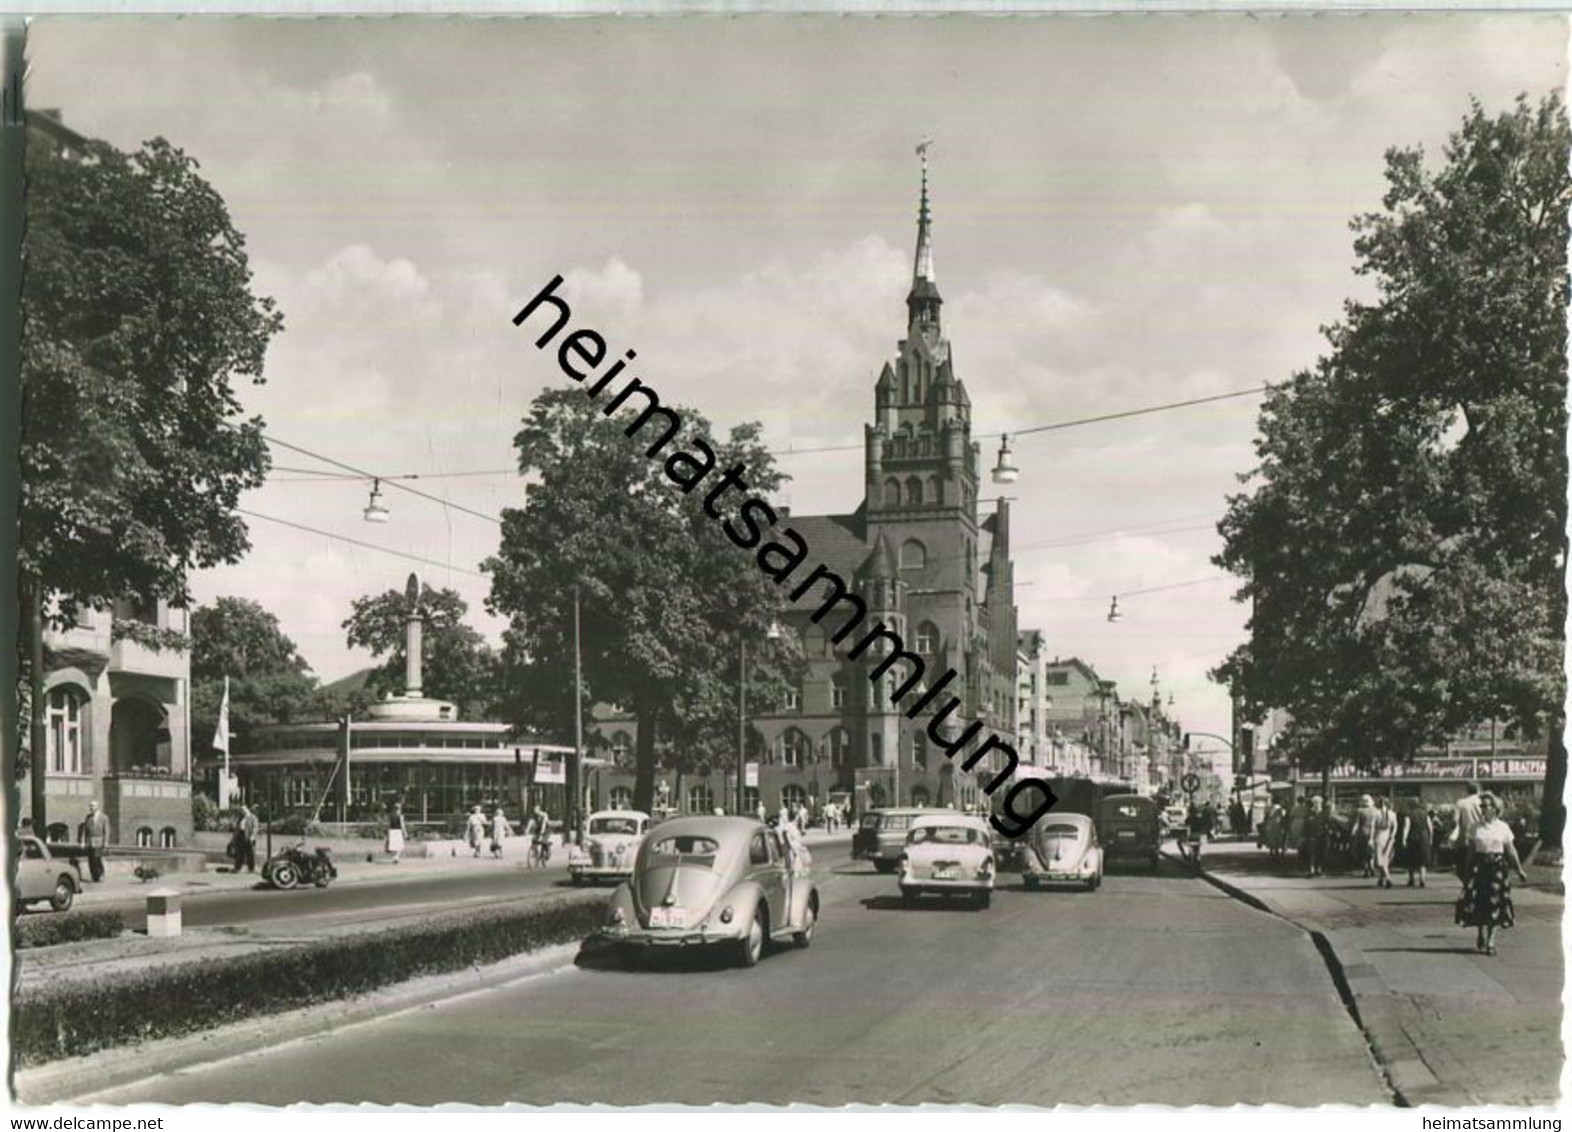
{"x": 611, "y": 842}
{"x": 948, "y": 854}
{"x": 1174, "y": 818}
{"x": 1063, "y": 849}
{"x": 712, "y": 882}
{"x": 1130, "y": 826}
{"x": 881, "y": 835}
{"x": 40, "y": 876}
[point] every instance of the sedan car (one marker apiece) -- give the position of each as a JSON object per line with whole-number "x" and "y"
{"x": 881, "y": 835}
{"x": 1063, "y": 849}
{"x": 41, "y": 877}
{"x": 723, "y": 882}
{"x": 611, "y": 842}
{"x": 948, "y": 855}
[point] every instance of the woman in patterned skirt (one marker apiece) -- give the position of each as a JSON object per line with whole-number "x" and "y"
{"x": 1486, "y": 903}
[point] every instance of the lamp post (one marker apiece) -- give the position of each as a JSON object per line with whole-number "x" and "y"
{"x": 773, "y": 633}
{"x": 575, "y": 764}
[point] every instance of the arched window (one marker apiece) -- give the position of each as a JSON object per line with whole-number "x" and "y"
{"x": 621, "y": 798}
{"x": 837, "y": 691}
{"x": 913, "y": 491}
{"x": 919, "y": 751}
{"x": 166, "y": 837}
{"x": 795, "y": 747}
{"x": 927, "y": 642}
{"x": 933, "y": 495}
{"x": 914, "y": 556}
{"x": 971, "y": 560}
{"x": 621, "y": 747}
{"x": 700, "y": 800}
{"x": 791, "y": 699}
{"x": 840, "y": 747}
{"x": 67, "y": 713}
{"x": 892, "y": 492}
{"x": 144, "y": 837}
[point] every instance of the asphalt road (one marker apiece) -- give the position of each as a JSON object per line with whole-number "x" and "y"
{"x": 1155, "y": 989}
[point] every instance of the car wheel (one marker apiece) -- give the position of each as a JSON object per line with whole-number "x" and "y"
{"x": 884, "y": 866}
{"x": 64, "y": 893}
{"x": 910, "y": 896}
{"x": 750, "y": 948}
{"x": 285, "y": 876}
{"x": 810, "y": 918}
{"x": 1031, "y": 884}
{"x": 982, "y": 900}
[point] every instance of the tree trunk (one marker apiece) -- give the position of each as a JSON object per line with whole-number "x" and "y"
{"x": 1552, "y": 812}
{"x": 38, "y": 768}
{"x": 644, "y": 769}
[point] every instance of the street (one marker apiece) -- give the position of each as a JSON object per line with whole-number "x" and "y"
{"x": 1157, "y": 988}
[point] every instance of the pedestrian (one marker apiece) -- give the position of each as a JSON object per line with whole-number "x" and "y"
{"x": 94, "y": 834}
{"x": 540, "y": 844}
{"x": 1296, "y": 825}
{"x": 246, "y": 840}
{"x": 1383, "y": 839}
{"x": 475, "y": 829}
{"x": 1418, "y": 838}
{"x": 1315, "y": 836}
{"x": 1486, "y": 902}
{"x": 395, "y": 844}
{"x": 1462, "y": 839}
{"x": 761, "y": 811}
{"x": 1364, "y": 830}
{"x": 499, "y": 831}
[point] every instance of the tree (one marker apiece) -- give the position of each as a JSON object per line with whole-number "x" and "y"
{"x": 137, "y": 316}
{"x": 1404, "y": 546}
{"x": 662, "y": 594}
{"x": 456, "y": 662}
{"x": 269, "y": 681}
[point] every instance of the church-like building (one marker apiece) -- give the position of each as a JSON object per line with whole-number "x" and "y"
{"x": 928, "y": 564}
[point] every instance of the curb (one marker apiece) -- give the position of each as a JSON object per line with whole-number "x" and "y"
{"x": 62, "y": 1082}
{"x": 1395, "y": 1057}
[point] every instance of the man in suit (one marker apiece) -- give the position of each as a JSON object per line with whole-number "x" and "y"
{"x": 94, "y": 834}
{"x": 246, "y": 841}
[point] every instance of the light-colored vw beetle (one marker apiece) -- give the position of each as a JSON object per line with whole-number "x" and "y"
{"x": 713, "y": 881}
{"x": 611, "y": 842}
{"x": 1063, "y": 849}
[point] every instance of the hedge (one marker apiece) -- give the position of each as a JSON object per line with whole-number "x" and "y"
{"x": 79, "y": 1017}
{"x": 46, "y": 931}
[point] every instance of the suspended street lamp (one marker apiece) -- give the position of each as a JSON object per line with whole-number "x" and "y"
{"x": 375, "y": 512}
{"x": 1113, "y": 609}
{"x": 1005, "y": 470}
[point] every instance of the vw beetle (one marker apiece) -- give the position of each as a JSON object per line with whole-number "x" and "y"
{"x": 1063, "y": 849}
{"x": 723, "y": 882}
{"x": 611, "y": 842}
{"x": 42, "y": 877}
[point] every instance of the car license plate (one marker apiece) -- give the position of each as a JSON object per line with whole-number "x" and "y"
{"x": 947, "y": 873}
{"x": 1127, "y": 835}
{"x": 668, "y": 917}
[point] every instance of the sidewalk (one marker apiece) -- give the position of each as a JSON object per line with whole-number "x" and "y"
{"x": 1450, "y": 1026}
{"x": 445, "y": 858}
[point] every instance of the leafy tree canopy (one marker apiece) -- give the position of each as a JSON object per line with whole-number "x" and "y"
{"x": 137, "y": 315}
{"x": 269, "y": 681}
{"x": 664, "y": 596}
{"x": 1403, "y": 545}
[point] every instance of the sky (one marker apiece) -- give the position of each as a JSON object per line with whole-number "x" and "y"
{"x": 1128, "y": 211}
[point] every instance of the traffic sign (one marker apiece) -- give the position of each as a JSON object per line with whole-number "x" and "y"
{"x": 1191, "y": 782}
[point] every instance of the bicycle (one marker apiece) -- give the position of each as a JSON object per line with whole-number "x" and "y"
{"x": 540, "y": 852}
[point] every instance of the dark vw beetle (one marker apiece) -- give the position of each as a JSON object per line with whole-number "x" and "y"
{"x": 705, "y": 881}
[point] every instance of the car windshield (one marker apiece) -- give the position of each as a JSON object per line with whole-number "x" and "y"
{"x": 687, "y": 850}
{"x": 614, "y": 825}
{"x": 870, "y": 821}
{"x": 946, "y": 835}
{"x": 1070, "y": 831}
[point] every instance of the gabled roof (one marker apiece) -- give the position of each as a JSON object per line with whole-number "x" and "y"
{"x": 838, "y": 541}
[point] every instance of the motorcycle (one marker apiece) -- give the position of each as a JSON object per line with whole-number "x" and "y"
{"x": 295, "y": 866}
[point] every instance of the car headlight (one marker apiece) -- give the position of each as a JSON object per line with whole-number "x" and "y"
{"x": 726, "y": 914}
{"x": 904, "y": 863}
{"x": 617, "y": 918}
{"x": 986, "y": 870}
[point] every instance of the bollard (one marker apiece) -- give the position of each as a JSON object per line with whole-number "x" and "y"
{"x": 163, "y": 914}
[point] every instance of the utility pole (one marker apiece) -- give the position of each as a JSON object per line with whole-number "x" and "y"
{"x": 742, "y": 718}
{"x": 38, "y": 763}
{"x": 577, "y": 762}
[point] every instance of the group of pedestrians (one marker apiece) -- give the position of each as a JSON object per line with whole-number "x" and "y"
{"x": 481, "y": 832}
{"x": 1483, "y": 845}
